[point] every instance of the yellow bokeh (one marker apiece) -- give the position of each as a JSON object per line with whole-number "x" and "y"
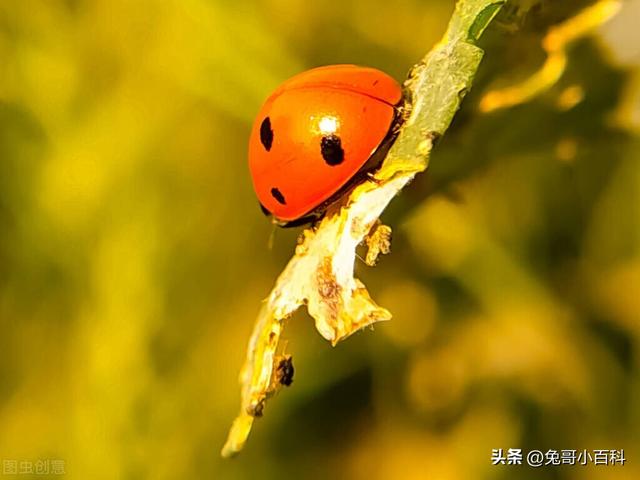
{"x": 134, "y": 256}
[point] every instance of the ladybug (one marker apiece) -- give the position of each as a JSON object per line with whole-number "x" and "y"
{"x": 317, "y": 135}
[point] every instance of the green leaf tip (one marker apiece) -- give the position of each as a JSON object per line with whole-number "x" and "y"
{"x": 482, "y": 21}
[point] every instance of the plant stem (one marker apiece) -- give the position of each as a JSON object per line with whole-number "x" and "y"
{"x": 320, "y": 274}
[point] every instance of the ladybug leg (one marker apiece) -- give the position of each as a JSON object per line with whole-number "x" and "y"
{"x": 402, "y": 113}
{"x": 378, "y": 242}
{"x": 371, "y": 176}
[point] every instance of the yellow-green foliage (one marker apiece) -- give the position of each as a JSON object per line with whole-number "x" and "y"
{"x": 133, "y": 254}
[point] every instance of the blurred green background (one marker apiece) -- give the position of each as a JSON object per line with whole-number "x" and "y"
{"x": 133, "y": 254}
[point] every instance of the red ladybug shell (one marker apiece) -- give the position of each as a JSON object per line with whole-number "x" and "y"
{"x": 315, "y": 132}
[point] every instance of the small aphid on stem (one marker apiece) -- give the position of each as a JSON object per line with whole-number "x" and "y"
{"x": 284, "y": 371}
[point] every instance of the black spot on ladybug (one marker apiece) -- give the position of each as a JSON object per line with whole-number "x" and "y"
{"x": 277, "y": 194}
{"x": 284, "y": 371}
{"x": 376, "y": 82}
{"x": 331, "y": 149}
{"x": 266, "y": 134}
